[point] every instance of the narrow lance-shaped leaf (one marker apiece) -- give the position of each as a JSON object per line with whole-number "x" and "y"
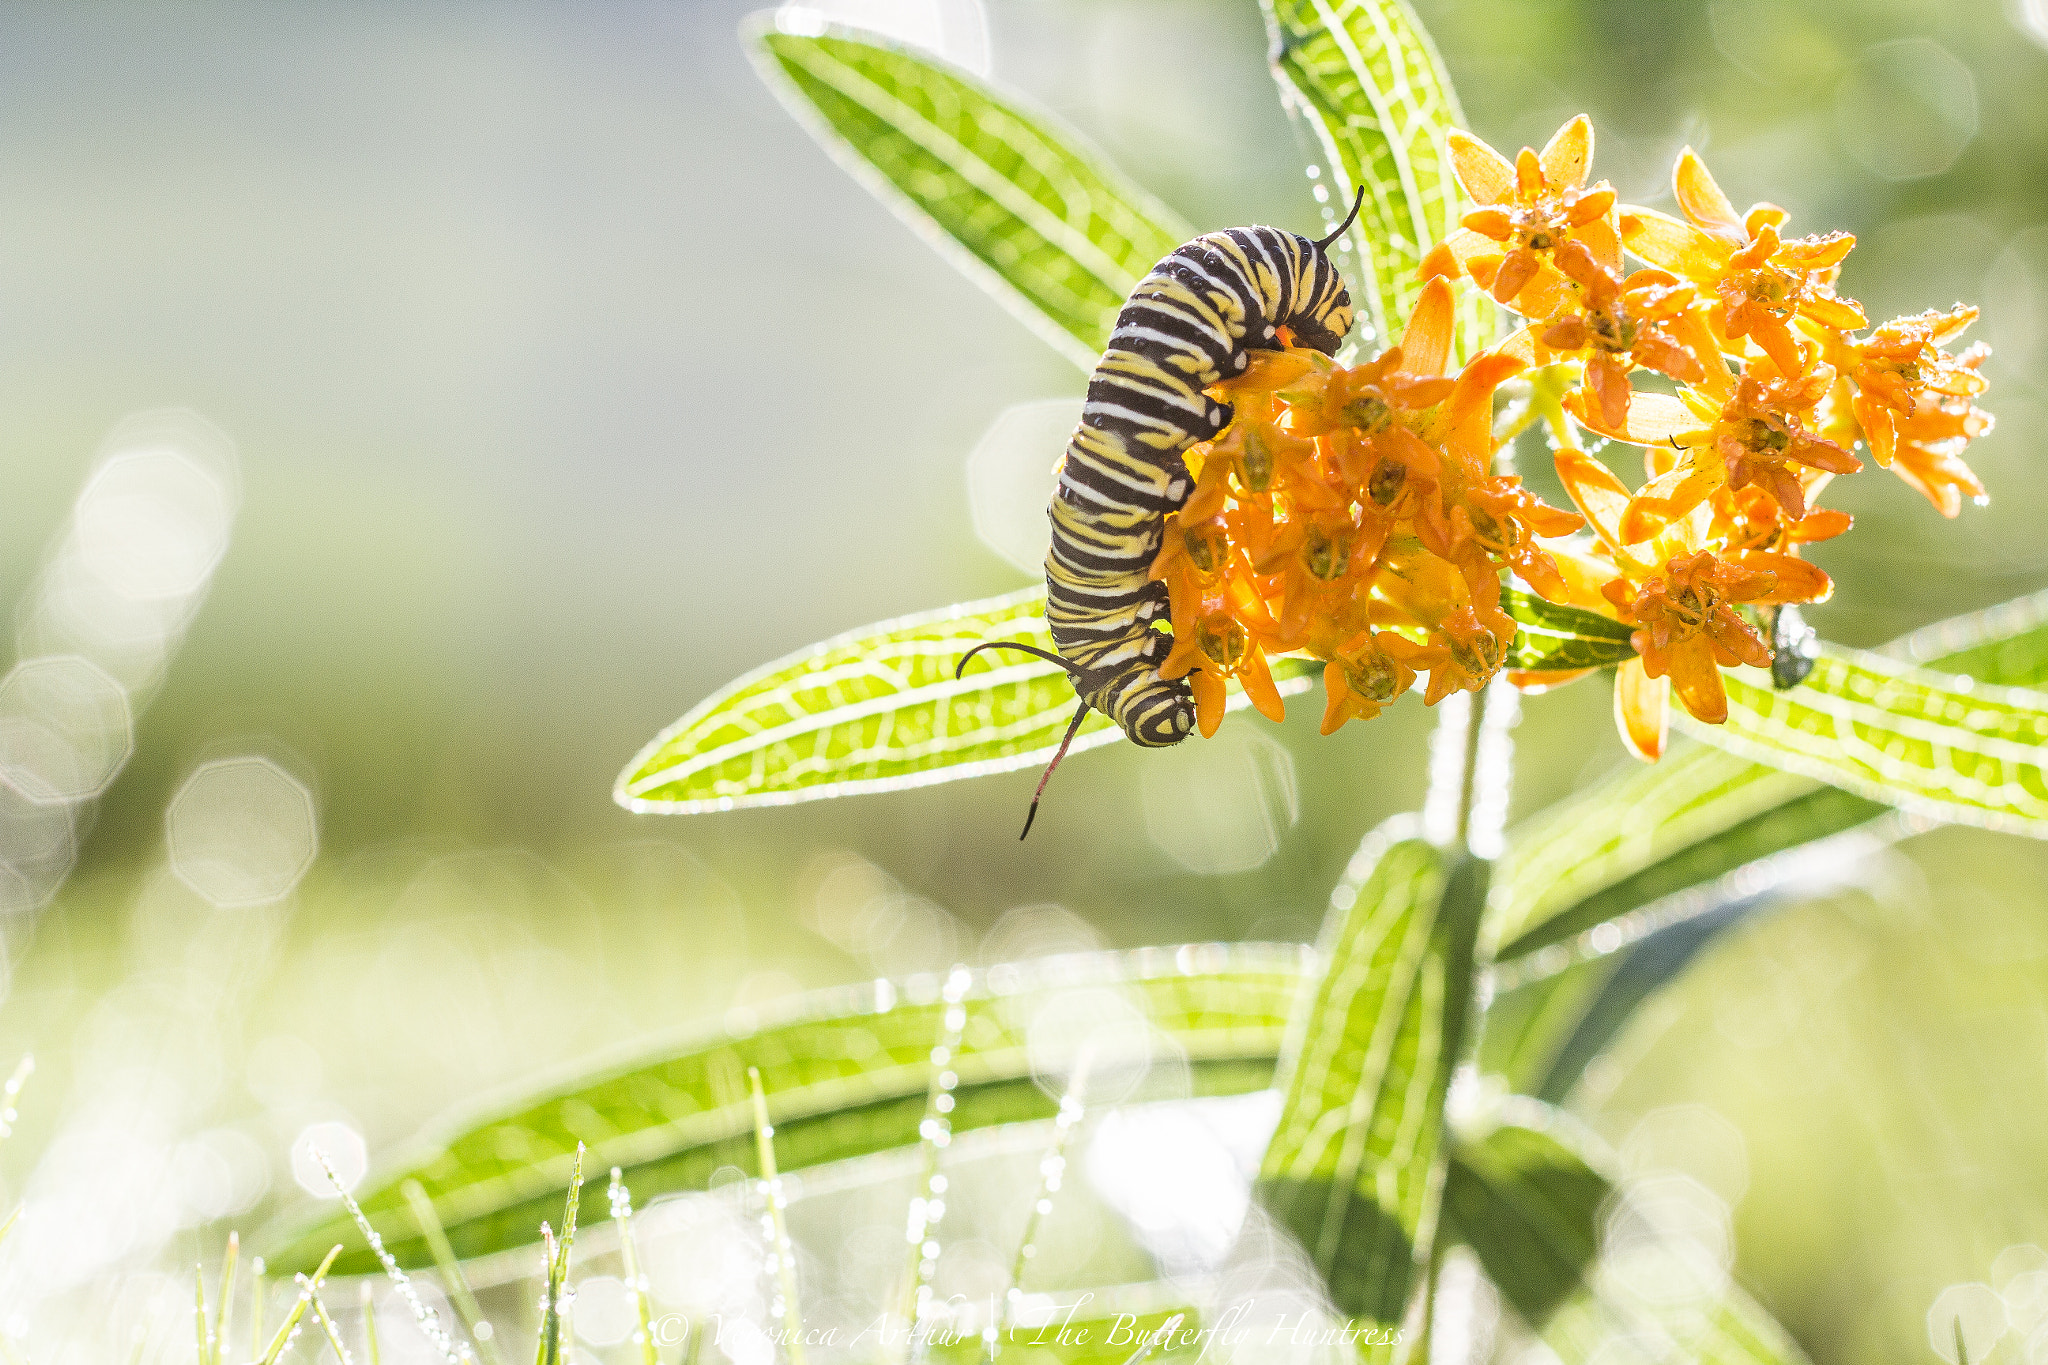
{"x": 1922, "y": 741}
{"x": 1363, "y": 78}
{"x": 1647, "y": 832}
{"x": 1552, "y": 638}
{"x": 1680, "y": 851}
{"x": 1599, "y": 1274}
{"x": 1355, "y": 1167}
{"x": 1523, "y": 1197}
{"x": 1002, "y": 190}
{"x": 878, "y": 709}
{"x": 846, "y": 1075}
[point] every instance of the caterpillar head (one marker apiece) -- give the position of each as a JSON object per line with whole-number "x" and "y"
{"x": 1325, "y": 331}
{"x": 1155, "y": 713}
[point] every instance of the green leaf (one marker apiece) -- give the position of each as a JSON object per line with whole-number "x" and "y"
{"x": 1680, "y": 848}
{"x": 1927, "y": 742}
{"x": 1531, "y": 1199}
{"x": 846, "y": 1075}
{"x": 1005, "y": 192}
{"x": 1555, "y": 639}
{"x": 1354, "y": 1167}
{"x": 1526, "y": 1201}
{"x": 1365, "y": 81}
{"x": 879, "y": 710}
{"x": 1651, "y": 831}
{"x": 1648, "y": 832}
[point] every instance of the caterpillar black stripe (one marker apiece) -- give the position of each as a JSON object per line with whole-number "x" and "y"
{"x": 1191, "y": 322}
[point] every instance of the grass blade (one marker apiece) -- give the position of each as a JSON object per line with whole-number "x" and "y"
{"x": 1006, "y": 193}
{"x": 552, "y": 1347}
{"x": 288, "y": 1330}
{"x": 224, "y": 1317}
{"x": 256, "y": 1288}
{"x": 429, "y": 1321}
{"x": 935, "y": 1134}
{"x": 10, "y": 1093}
{"x": 371, "y": 1351}
{"x": 1363, "y": 79}
{"x": 333, "y": 1332}
{"x": 1052, "y": 1171}
{"x": 201, "y": 1323}
{"x": 781, "y": 1251}
{"x": 636, "y": 1279}
{"x": 467, "y": 1310}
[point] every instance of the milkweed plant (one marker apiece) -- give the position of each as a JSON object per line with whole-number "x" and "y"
{"x": 1355, "y": 523}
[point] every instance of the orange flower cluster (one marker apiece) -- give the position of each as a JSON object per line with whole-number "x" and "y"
{"x": 1352, "y": 514}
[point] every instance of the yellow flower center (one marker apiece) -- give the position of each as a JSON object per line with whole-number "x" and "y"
{"x": 1256, "y": 464}
{"x": 1373, "y": 678}
{"x": 1207, "y": 548}
{"x": 1325, "y": 556}
{"x": 1477, "y": 655}
{"x": 1221, "y": 640}
{"x": 1369, "y": 413}
{"x": 1386, "y": 481}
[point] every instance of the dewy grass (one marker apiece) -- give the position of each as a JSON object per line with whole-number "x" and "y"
{"x": 288, "y": 1330}
{"x": 224, "y": 1315}
{"x": 553, "y": 1330}
{"x": 1052, "y": 1169}
{"x": 11, "y": 1092}
{"x": 333, "y": 1333}
{"x": 371, "y": 1352}
{"x": 935, "y": 1134}
{"x": 256, "y": 1308}
{"x": 427, "y": 1318}
{"x": 778, "y": 1228}
{"x": 636, "y": 1278}
{"x": 467, "y": 1310}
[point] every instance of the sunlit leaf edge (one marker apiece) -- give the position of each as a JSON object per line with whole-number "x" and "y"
{"x": 755, "y": 31}
{"x": 1959, "y": 686}
{"x": 1291, "y": 676}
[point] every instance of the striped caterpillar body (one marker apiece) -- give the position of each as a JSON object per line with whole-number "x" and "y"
{"x": 1192, "y": 322}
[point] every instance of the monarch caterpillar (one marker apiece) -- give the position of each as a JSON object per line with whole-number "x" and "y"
{"x": 1191, "y": 322}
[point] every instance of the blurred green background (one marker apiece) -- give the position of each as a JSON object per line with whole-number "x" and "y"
{"x": 569, "y": 380}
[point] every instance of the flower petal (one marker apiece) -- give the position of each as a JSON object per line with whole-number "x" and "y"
{"x": 1797, "y": 580}
{"x": 1678, "y": 247}
{"x": 1534, "y": 683}
{"x": 1568, "y": 154}
{"x": 1642, "y": 710}
{"x": 1487, "y": 176}
{"x": 1257, "y": 681}
{"x": 1654, "y": 419}
{"x": 1336, "y": 691}
{"x": 1668, "y": 497}
{"x": 1697, "y": 680}
{"x": 1426, "y": 345}
{"x": 1599, "y": 495}
{"x": 1209, "y": 701}
{"x": 1703, "y": 201}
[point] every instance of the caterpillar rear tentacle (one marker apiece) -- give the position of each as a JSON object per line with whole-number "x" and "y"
{"x": 1191, "y": 323}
